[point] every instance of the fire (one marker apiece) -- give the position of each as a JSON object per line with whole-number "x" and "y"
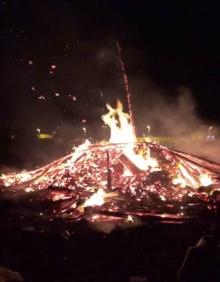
{"x": 123, "y": 132}
{"x": 179, "y": 181}
{"x": 120, "y": 125}
{"x": 97, "y": 199}
{"x": 79, "y": 151}
{"x": 186, "y": 179}
{"x": 123, "y": 176}
{"x": 205, "y": 180}
{"x": 29, "y": 190}
{"x": 129, "y": 219}
{"x": 18, "y": 178}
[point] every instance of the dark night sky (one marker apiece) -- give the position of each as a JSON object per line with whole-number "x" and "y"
{"x": 164, "y": 46}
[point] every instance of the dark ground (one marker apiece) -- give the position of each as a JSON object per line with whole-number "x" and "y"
{"x": 45, "y": 250}
{"x": 61, "y": 251}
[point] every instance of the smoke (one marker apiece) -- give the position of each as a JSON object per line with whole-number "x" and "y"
{"x": 173, "y": 116}
{"x": 170, "y": 110}
{"x": 174, "y": 119}
{"x": 93, "y": 79}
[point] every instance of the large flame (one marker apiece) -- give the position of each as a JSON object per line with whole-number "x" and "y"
{"x": 123, "y": 132}
{"x": 90, "y": 171}
{"x": 120, "y": 125}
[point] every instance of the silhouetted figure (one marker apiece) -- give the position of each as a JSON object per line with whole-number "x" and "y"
{"x": 201, "y": 262}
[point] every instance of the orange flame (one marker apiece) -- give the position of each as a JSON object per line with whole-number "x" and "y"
{"x": 205, "y": 180}
{"x": 184, "y": 178}
{"x": 122, "y": 132}
{"x": 98, "y": 198}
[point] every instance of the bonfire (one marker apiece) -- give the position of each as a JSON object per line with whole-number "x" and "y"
{"x": 121, "y": 178}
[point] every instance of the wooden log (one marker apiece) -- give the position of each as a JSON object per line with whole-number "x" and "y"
{"x": 129, "y": 164}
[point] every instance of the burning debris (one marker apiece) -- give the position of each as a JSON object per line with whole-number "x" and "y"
{"x": 121, "y": 179}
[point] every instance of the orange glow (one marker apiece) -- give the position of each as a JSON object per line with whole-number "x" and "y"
{"x": 186, "y": 179}
{"x": 120, "y": 125}
{"x": 122, "y": 132}
{"x": 115, "y": 174}
{"x": 96, "y": 199}
{"x": 205, "y": 180}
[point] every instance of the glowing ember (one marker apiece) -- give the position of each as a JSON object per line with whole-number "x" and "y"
{"x": 28, "y": 190}
{"x": 96, "y": 199}
{"x": 189, "y": 180}
{"x": 129, "y": 219}
{"x": 205, "y": 180}
{"x": 121, "y": 177}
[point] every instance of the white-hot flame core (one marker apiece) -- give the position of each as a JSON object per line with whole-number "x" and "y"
{"x": 179, "y": 181}
{"x": 97, "y": 199}
{"x": 120, "y": 126}
{"x": 189, "y": 179}
{"x": 185, "y": 179}
{"x": 129, "y": 219}
{"x": 79, "y": 151}
{"x": 205, "y": 180}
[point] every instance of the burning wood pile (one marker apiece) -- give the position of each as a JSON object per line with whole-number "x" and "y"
{"x": 121, "y": 179}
